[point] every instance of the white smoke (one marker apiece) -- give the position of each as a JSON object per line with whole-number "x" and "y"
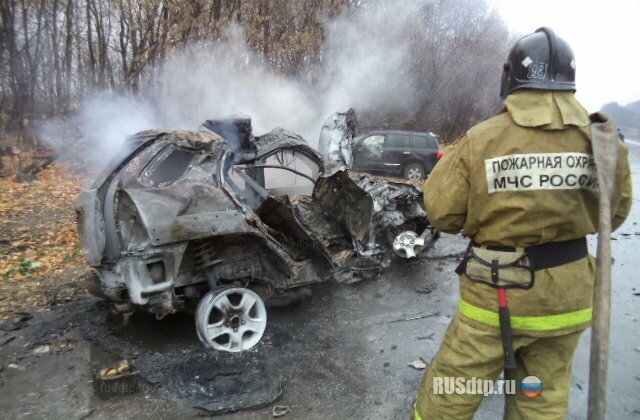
{"x": 362, "y": 67}
{"x": 363, "y": 64}
{"x": 87, "y": 141}
{"x": 365, "y": 59}
{"x": 108, "y": 119}
{"x": 226, "y": 79}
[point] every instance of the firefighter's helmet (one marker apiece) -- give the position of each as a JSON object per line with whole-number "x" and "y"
{"x": 540, "y": 60}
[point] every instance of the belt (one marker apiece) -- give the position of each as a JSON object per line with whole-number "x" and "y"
{"x": 551, "y": 254}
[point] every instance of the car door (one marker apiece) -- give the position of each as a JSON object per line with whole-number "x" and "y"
{"x": 425, "y": 147}
{"x": 367, "y": 154}
{"x": 393, "y": 153}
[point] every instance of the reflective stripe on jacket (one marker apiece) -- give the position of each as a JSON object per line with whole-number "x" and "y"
{"x": 532, "y": 323}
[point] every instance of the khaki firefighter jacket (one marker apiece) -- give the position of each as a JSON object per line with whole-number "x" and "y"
{"x": 526, "y": 177}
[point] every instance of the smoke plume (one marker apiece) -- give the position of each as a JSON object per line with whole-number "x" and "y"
{"x": 376, "y": 58}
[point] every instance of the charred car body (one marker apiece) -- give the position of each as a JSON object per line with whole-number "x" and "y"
{"x": 220, "y": 221}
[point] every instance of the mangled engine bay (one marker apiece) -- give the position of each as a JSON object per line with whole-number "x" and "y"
{"x": 223, "y": 222}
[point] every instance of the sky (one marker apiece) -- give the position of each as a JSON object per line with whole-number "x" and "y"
{"x": 604, "y": 36}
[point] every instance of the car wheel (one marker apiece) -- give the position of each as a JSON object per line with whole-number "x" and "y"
{"x": 231, "y": 319}
{"x": 414, "y": 171}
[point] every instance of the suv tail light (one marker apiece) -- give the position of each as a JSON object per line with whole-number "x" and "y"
{"x": 439, "y": 154}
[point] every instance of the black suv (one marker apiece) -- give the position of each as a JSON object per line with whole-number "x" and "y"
{"x": 407, "y": 153}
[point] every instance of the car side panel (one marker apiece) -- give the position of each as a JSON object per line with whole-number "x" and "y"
{"x": 394, "y": 153}
{"x": 428, "y": 154}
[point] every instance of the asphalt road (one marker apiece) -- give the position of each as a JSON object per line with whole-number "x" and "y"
{"x": 341, "y": 355}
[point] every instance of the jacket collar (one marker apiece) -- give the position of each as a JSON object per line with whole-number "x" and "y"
{"x": 551, "y": 110}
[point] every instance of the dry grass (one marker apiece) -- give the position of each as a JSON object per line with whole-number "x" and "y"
{"x": 40, "y": 254}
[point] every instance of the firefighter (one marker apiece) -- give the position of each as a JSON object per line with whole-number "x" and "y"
{"x": 524, "y": 180}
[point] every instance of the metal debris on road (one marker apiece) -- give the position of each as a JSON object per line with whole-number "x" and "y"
{"x": 280, "y": 410}
{"x": 456, "y": 255}
{"x": 418, "y": 364}
{"x": 413, "y": 318}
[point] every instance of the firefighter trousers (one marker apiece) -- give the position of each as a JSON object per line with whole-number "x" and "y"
{"x": 476, "y": 354}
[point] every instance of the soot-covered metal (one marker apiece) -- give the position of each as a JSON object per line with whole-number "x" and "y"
{"x": 225, "y": 223}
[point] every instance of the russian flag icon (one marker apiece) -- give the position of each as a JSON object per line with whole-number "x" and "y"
{"x": 531, "y": 386}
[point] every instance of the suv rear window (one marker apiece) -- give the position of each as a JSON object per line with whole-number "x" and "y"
{"x": 394, "y": 140}
{"x": 423, "y": 142}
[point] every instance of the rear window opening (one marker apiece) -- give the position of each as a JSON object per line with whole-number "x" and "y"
{"x": 169, "y": 166}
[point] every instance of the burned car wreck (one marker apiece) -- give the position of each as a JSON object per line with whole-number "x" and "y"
{"x": 222, "y": 222}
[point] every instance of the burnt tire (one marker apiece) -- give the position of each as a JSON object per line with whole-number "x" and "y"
{"x": 414, "y": 171}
